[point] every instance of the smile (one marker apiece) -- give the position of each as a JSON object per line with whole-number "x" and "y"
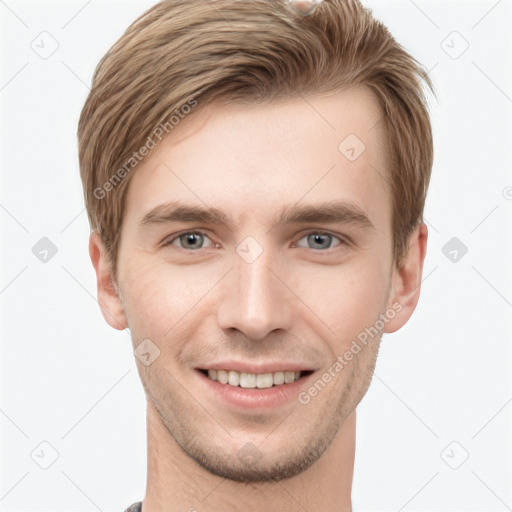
{"x": 253, "y": 380}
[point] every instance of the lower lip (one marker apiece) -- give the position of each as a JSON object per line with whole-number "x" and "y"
{"x": 255, "y": 398}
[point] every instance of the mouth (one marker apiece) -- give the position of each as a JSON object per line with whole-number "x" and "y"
{"x": 255, "y": 380}
{"x": 242, "y": 387}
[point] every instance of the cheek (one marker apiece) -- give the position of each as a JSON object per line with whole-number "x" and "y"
{"x": 347, "y": 298}
{"x": 158, "y": 296}
{"x": 161, "y": 300}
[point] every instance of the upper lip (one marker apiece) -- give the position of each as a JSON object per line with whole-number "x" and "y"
{"x": 264, "y": 367}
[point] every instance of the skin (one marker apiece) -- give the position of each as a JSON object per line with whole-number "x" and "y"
{"x": 303, "y": 298}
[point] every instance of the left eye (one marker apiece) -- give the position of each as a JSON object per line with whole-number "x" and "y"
{"x": 319, "y": 240}
{"x": 190, "y": 240}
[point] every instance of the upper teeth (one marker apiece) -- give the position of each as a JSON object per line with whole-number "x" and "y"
{"x": 253, "y": 380}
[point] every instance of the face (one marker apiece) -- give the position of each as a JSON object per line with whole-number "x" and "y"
{"x": 256, "y": 248}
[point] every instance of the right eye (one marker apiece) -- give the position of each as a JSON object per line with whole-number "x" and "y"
{"x": 188, "y": 240}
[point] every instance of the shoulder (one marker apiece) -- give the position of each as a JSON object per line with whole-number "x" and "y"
{"x": 136, "y": 507}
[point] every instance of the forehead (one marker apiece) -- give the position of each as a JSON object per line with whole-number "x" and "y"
{"x": 251, "y": 160}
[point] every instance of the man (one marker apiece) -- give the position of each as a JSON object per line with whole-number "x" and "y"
{"x": 255, "y": 175}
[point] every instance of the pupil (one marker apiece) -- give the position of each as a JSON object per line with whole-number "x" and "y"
{"x": 192, "y": 238}
{"x": 319, "y": 238}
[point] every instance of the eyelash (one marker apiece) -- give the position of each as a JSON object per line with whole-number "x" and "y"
{"x": 342, "y": 240}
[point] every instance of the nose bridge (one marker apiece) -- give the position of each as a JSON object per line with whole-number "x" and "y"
{"x": 256, "y": 301}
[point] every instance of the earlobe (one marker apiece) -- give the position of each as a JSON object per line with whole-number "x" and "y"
{"x": 406, "y": 280}
{"x": 110, "y": 304}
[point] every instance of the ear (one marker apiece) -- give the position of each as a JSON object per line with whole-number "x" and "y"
{"x": 406, "y": 280}
{"x": 111, "y": 305}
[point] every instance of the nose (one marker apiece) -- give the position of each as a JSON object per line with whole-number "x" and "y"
{"x": 255, "y": 298}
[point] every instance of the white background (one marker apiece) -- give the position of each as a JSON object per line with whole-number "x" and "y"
{"x": 70, "y": 380}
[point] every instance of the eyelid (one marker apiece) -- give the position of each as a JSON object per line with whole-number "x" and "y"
{"x": 168, "y": 240}
{"x": 342, "y": 238}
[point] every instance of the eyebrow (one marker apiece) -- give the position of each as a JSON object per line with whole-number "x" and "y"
{"x": 330, "y": 212}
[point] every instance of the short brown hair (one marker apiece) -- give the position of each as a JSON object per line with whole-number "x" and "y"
{"x": 192, "y": 52}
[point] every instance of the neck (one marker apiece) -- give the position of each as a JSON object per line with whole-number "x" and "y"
{"x": 175, "y": 482}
